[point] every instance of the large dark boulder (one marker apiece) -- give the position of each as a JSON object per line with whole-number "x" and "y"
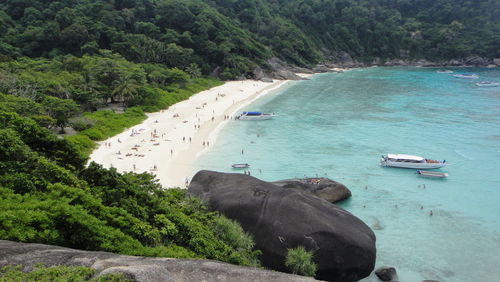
{"x": 279, "y": 219}
{"x": 325, "y": 188}
{"x": 136, "y": 268}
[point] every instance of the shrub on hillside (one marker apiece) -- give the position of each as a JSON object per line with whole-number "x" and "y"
{"x": 299, "y": 261}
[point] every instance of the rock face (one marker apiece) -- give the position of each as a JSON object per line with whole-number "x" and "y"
{"x": 323, "y": 188}
{"x": 280, "y": 70}
{"x": 496, "y": 62}
{"x": 279, "y": 219}
{"x": 476, "y": 61}
{"x": 386, "y": 273}
{"x": 136, "y": 268}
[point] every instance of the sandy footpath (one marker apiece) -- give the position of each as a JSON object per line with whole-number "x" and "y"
{"x": 167, "y": 143}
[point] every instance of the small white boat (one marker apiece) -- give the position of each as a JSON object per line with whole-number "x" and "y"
{"x": 432, "y": 174}
{"x": 444, "y": 71}
{"x": 255, "y": 116}
{"x": 238, "y": 166}
{"x": 467, "y": 75}
{"x": 488, "y": 84}
{"x": 410, "y": 161}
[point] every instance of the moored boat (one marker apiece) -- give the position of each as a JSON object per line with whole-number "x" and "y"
{"x": 410, "y": 161}
{"x": 488, "y": 84}
{"x": 444, "y": 71}
{"x": 467, "y": 75}
{"x": 255, "y": 116}
{"x": 432, "y": 174}
{"x": 238, "y": 166}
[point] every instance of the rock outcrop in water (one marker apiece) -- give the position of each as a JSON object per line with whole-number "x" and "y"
{"x": 386, "y": 273}
{"x": 279, "y": 219}
{"x": 324, "y": 188}
{"x": 136, "y": 268}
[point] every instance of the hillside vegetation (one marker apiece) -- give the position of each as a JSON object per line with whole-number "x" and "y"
{"x": 69, "y": 63}
{"x": 232, "y": 37}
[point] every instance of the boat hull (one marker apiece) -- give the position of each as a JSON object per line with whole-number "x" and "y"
{"x": 262, "y": 117}
{"x": 240, "y": 166}
{"x": 432, "y": 174}
{"x": 412, "y": 165}
{"x": 466, "y": 76}
{"x": 487, "y": 84}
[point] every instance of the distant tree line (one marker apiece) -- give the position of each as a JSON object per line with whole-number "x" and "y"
{"x": 232, "y": 37}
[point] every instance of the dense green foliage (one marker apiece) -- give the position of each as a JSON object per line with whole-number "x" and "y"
{"x": 57, "y": 274}
{"x": 48, "y": 196}
{"x": 235, "y": 36}
{"x": 55, "y": 92}
{"x": 299, "y": 261}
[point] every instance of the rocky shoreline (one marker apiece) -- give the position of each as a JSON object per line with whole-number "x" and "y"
{"x": 278, "y": 69}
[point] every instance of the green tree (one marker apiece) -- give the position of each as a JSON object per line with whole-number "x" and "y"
{"x": 60, "y": 109}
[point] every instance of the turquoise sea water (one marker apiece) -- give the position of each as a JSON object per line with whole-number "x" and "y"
{"x": 338, "y": 125}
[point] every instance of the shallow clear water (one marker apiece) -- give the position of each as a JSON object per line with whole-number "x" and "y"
{"x": 338, "y": 125}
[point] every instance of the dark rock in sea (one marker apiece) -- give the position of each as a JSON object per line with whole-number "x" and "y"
{"x": 280, "y": 219}
{"x": 386, "y": 273}
{"x": 327, "y": 189}
{"x": 135, "y": 268}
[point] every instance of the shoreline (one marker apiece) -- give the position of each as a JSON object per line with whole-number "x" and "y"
{"x": 168, "y": 142}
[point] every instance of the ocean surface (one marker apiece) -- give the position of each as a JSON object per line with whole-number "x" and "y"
{"x": 338, "y": 126}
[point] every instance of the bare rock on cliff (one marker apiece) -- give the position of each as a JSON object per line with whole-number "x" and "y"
{"x": 136, "y": 268}
{"x": 324, "y": 188}
{"x": 476, "y": 61}
{"x": 280, "y": 219}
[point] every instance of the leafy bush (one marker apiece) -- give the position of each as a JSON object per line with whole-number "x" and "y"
{"x": 57, "y": 274}
{"x": 299, "y": 261}
{"x": 81, "y": 123}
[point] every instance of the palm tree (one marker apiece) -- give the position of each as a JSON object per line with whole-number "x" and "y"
{"x": 126, "y": 89}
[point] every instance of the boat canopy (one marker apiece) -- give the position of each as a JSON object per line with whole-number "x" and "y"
{"x": 252, "y": 113}
{"x": 405, "y": 157}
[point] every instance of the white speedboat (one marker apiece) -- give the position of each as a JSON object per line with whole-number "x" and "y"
{"x": 432, "y": 174}
{"x": 410, "y": 161}
{"x": 238, "y": 166}
{"x": 444, "y": 71}
{"x": 467, "y": 75}
{"x": 255, "y": 116}
{"x": 488, "y": 84}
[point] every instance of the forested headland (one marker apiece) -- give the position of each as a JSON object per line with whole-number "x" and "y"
{"x": 69, "y": 63}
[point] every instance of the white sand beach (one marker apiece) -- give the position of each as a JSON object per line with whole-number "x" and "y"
{"x": 167, "y": 143}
